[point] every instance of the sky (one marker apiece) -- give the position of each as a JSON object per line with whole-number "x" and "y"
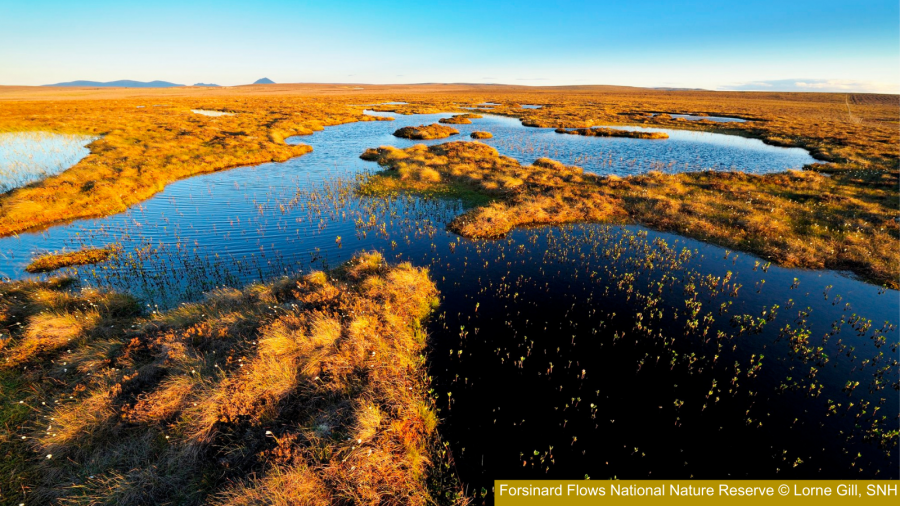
{"x": 748, "y": 45}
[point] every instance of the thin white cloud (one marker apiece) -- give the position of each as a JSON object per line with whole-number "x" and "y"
{"x": 820, "y": 85}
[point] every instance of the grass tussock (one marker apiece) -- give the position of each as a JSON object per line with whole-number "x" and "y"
{"x": 481, "y": 135}
{"x": 54, "y": 261}
{"x": 460, "y": 119}
{"x": 423, "y": 132}
{"x": 611, "y": 132}
{"x": 305, "y": 391}
{"x": 796, "y": 219}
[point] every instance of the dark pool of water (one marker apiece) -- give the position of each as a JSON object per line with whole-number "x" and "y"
{"x": 551, "y": 348}
{"x": 632, "y": 320}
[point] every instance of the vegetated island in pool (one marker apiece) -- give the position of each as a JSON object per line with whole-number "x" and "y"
{"x": 549, "y": 192}
{"x": 423, "y": 132}
{"x": 611, "y": 132}
{"x": 460, "y": 119}
{"x": 54, "y": 261}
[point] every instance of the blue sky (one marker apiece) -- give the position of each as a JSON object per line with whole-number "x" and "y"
{"x": 793, "y": 45}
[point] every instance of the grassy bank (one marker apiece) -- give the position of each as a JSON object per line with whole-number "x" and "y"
{"x": 309, "y": 390}
{"x": 795, "y": 219}
{"x": 143, "y": 145}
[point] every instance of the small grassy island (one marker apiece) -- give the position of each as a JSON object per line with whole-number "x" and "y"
{"x": 423, "y": 132}
{"x": 54, "y": 261}
{"x": 460, "y": 119}
{"x": 612, "y": 132}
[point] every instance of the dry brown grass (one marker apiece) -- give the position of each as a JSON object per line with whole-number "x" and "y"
{"x": 305, "y": 391}
{"x": 481, "y": 135}
{"x": 54, "y": 261}
{"x": 796, "y": 219}
{"x": 423, "y": 132}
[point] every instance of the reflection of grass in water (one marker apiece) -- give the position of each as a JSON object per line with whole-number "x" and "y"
{"x": 392, "y": 183}
{"x": 26, "y": 157}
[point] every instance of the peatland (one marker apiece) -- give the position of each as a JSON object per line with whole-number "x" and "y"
{"x": 307, "y": 390}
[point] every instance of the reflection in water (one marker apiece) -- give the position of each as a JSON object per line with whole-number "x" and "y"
{"x": 26, "y": 157}
{"x": 214, "y": 114}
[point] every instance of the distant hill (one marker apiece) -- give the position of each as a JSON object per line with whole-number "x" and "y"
{"x": 120, "y": 84}
{"x": 265, "y": 80}
{"x": 210, "y": 85}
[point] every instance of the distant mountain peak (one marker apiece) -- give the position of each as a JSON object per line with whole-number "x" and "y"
{"x": 264, "y": 80}
{"x": 125, "y": 83}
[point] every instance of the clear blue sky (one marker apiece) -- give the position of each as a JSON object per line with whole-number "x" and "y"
{"x": 784, "y": 44}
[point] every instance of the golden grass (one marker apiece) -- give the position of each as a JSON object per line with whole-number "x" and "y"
{"x": 460, "y": 119}
{"x": 54, "y": 261}
{"x": 423, "y": 132}
{"x": 610, "y": 132}
{"x": 309, "y": 390}
{"x": 796, "y": 219}
{"x": 145, "y": 144}
{"x": 481, "y": 135}
{"x": 144, "y": 148}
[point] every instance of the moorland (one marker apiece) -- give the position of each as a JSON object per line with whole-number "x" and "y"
{"x": 108, "y": 400}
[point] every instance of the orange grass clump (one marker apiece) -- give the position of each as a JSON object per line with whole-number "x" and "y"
{"x": 309, "y": 390}
{"x": 481, "y": 135}
{"x": 611, "y": 132}
{"x": 423, "y": 132}
{"x": 54, "y": 261}
{"x": 460, "y": 119}
{"x": 796, "y": 219}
